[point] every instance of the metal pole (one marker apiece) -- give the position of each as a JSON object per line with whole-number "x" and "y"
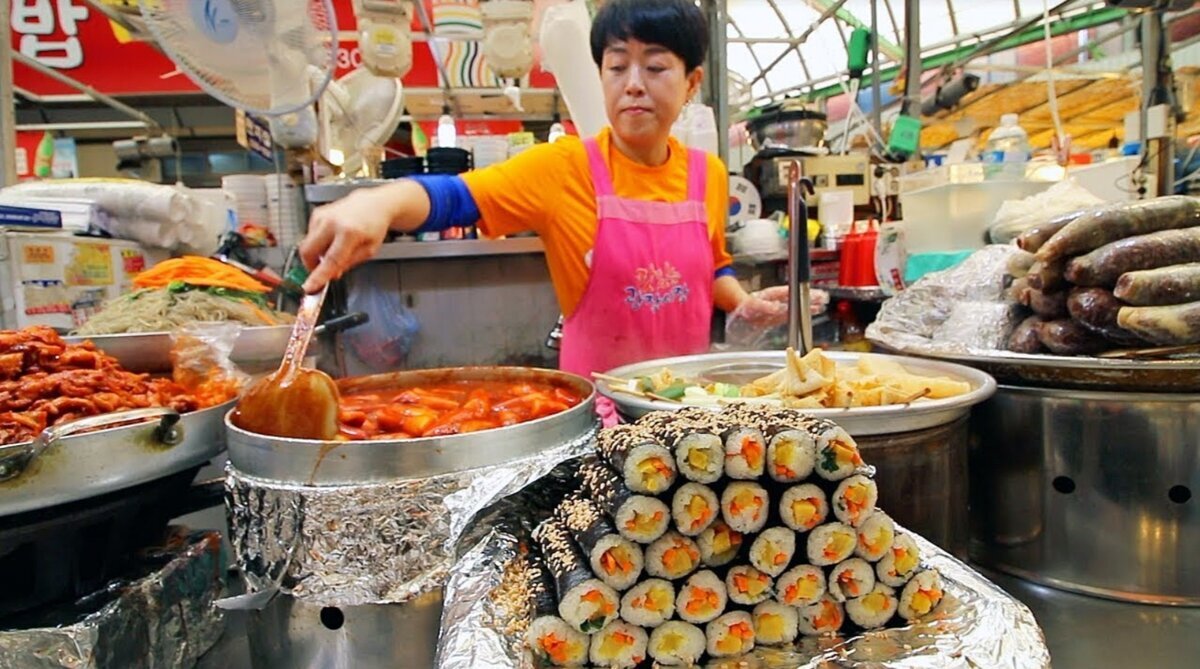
{"x": 8, "y": 121}
{"x": 876, "y": 97}
{"x": 88, "y": 90}
{"x": 717, "y": 72}
{"x": 1157, "y": 86}
{"x": 800, "y": 334}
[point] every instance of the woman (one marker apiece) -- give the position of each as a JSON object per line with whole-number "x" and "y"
{"x": 633, "y": 222}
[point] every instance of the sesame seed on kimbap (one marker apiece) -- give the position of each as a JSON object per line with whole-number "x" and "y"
{"x": 791, "y": 455}
{"x": 851, "y": 578}
{"x": 694, "y": 507}
{"x": 772, "y": 551}
{"x": 719, "y": 544}
{"x": 803, "y": 507}
{"x": 831, "y": 543}
{"x": 745, "y": 453}
{"x": 875, "y": 537}
{"x": 702, "y": 598}
{"x": 676, "y": 643}
{"x": 874, "y": 609}
{"x": 900, "y": 562}
{"x": 745, "y": 506}
{"x": 922, "y": 595}
{"x": 854, "y": 500}
{"x": 824, "y": 617}
{"x": 730, "y": 635}
{"x": 747, "y": 586}
{"x": 775, "y": 624}
{"x": 619, "y": 645}
{"x": 802, "y": 585}
{"x": 672, "y": 557}
{"x": 649, "y": 603}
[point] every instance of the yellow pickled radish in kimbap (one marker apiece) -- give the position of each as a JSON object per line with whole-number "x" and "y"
{"x": 672, "y": 557}
{"x": 775, "y": 624}
{"x": 824, "y": 617}
{"x": 719, "y": 544}
{"x": 645, "y": 464}
{"x": 676, "y": 643}
{"x": 900, "y": 562}
{"x": 874, "y": 609}
{"x": 854, "y": 500}
{"x": 619, "y": 645}
{"x": 803, "y": 507}
{"x": 745, "y": 453}
{"x": 730, "y": 635}
{"x": 649, "y": 603}
{"x": 772, "y": 551}
{"x": 831, "y": 543}
{"x": 875, "y": 536}
{"x": 791, "y": 455}
{"x": 553, "y": 641}
{"x": 746, "y": 585}
{"x": 802, "y": 585}
{"x": 837, "y": 452}
{"x": 745, "y": 506}
{"x": 702, "y": 598}
{"x": 694, "y": 507}
{"x": 851, "y": 578}
{"x": 922, "y": 595}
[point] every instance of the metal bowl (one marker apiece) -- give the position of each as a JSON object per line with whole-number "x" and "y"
{"x": 314, "y": 462}
{"x": 859, "y": 421}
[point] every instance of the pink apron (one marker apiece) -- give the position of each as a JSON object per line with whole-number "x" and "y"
{"x": 649, "y": 293}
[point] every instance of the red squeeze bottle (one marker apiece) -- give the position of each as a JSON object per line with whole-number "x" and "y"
{"x": 846, "y": 269}
{"x": 865, "y": 265}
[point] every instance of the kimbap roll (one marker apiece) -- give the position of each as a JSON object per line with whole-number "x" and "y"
{"x": 802, "y": 585}
{"x": 922, "y": 595}
{"x": 619, "y": 645}
{"x": 745, "y": 506}
{"x": 745, "y": 453}
{"x": 694, "y": 508}
{"x": 585, "y": 602}
{"x": 676, "y": 643}
{"x": 803, "y": 507}
{"x": 874, "y": 609}
{"x": 672, "y": 557}
{"x": 831, "y": 543}
{"x": 549, "y": 637}
{"x": 824, "y": 617}
{"x": 719, "y": 544}
{"x": 837, "y": 453}
{"x": 636, "y": 517}
{"x": 875, "y": 537}
{"x": 747, "y": 586}
{"x": 700, "y": 457}
{"x": 702, "y": 598}
{"x": 791, "y": 455}
{"x": 730, "y": 635}
{"x": 851, "y": 578}
{"x": 649, "y": 603}
{"x": 772, "y": 551}
{"x": 775, "y": 624}
{"x": 615, "y": 559}
{"x": 645, "y": 464}
{"x": 899, "y": 563}
{"x": 854, "y": 500}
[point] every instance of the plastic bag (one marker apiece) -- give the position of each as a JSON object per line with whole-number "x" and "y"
{"x": 202, "y": 361}
{"x": 384, "y": 342}
{"x": 1017, "y": 216}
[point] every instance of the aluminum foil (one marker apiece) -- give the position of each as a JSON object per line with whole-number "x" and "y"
{"x": 976, "y": 625}
{"x": 960, "y": 310}
{"x": 384, "y": 543}
{"x": 160, "y": 621}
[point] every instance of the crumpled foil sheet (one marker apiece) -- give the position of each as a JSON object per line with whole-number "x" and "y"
{"x": 385, "y": 543}
{"x": 976, "y": 625}
{"x": 963, "y": 309}
{"x": 162, "y": 621}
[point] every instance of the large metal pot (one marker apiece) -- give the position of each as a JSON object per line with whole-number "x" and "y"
{"x": 1088, "y": 491}
{"x": 792, "y": 126}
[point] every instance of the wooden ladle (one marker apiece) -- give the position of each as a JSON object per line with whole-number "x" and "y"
{"x": 293, "y": 402}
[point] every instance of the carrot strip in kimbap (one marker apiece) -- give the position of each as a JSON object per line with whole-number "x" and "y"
{"x": 803, "y": 507}
{"x": 719, "y": 544}
{"x": 730, "y": 635}
{"x": 745, "y": 506}
{"x": 676, "y": 644}
{"x": 615, "y": 559}
{"x": 922, "y": 595}
{"x": 649, "y": 603}
{"x": 824, "y": 617}
{"x": 899, "y": 563}
{"x": 549, "y": 637}
{"x": 791, "y": 455}
{"x": 672, "y": 557}
{"x": 694, "y": 507}
{"x": 702, "y": 598}
{"x": 619, "y": 645}
{"x": 745, "y": 453}
{"x": 874, "y": 609}
{"x": 875, "y": 537}
{"x": 802, "y": 585}
{"x": 636, "y": 517}
{"x": 772, "y": 551}
{"x": 837, "y": 453}
{"x": 775, "y": 624}
{"x": 831, "y": 543}
{"x": 585, "y": 602}
{"x": 747, "y": 586}
{"x": 855, "y": 499}
{"x": 851, "y": 578}
{"x": 646, "y": 465}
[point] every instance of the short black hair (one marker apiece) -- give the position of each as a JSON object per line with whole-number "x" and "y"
{"x": 678, "y": 25}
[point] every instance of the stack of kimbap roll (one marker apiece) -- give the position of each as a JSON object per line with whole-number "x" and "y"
{"x": 699, "y": 533}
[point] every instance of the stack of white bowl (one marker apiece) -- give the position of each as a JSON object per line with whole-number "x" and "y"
{"x": 285, "y": 210}
{"x": 250, "y": 195}
{"x": 490, "y": 150}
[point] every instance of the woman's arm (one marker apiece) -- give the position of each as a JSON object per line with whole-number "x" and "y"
{"x": 728, "y": 294}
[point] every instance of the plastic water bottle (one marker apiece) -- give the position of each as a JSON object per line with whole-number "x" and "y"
{"x": 1007, "y": 150}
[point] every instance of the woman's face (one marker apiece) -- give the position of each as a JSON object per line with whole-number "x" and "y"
{"x": 645, "y": 87}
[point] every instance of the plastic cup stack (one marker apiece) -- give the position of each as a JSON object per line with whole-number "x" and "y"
{"x": 285, "y": 210}
{"x": 250, "y": 196}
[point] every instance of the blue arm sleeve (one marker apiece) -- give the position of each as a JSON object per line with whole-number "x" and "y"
{"x": 725, "y": 271}
{"x": 450, "y": 202}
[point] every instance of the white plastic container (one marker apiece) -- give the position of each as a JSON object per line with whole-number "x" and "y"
{"x": 835, "y": 210}
{"x": 1007, "y": 151}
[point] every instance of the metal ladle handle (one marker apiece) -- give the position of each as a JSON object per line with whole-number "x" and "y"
{"x": 800, "y": 334}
